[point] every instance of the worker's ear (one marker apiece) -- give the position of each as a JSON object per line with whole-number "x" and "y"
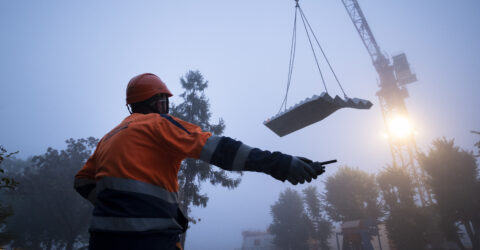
{"x": 168, "y": 105}
{"x": 161, "y": 104}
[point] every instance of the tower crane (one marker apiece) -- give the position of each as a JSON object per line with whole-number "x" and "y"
{"x": 394, "y": 75}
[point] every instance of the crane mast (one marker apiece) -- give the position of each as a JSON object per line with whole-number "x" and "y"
{"x": 392, "y": 94}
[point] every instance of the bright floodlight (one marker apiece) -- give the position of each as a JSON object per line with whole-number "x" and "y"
{"x": 399, "y": 127}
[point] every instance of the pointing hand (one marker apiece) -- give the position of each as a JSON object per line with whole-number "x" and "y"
{"x": 303, "y": 169}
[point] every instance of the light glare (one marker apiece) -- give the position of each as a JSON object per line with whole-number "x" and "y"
{"x": 399, "y": 127}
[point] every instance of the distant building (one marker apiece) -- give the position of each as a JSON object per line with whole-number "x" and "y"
{"x": 257, "y": 241}
{"x": 350, "y": 228}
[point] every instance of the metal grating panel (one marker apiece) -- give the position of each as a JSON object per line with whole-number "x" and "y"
{"x": 310, "y": 111}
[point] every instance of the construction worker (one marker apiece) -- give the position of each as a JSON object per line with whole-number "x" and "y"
{"x": 131, "y": 178}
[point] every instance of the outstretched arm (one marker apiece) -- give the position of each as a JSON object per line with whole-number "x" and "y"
{"x": 230, "y": 154}
{"x": 188, "y": 140}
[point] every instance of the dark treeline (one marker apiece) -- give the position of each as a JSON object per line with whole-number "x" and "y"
{"x": 45, "y": 211}
{"x": 39, "y": 208}
{"x": 451, "y": 176}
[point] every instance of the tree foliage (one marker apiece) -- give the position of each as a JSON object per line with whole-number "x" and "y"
{"x": 6, "y": 182}
{"x": 406, "y": 223}
{"x": 47, "y": 211}
{"x": 351, "y": 194}
{"x": 396, "y": 187}
{"x": 5, "y": 236}
{"x": 452, "y": 174}
{"x": 195, "y": 108}
{"x": 321, "y": 228}
{"x": 290, "y": 225}
{"x": 298, "y": 221}
{"x": 477, "y": 144}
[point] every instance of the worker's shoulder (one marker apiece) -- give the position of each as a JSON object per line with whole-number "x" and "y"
{"x": 151, "y": 118}
{"x": 165, "y": 119}
{"x": 170, "y": 120}
{"x": 184, "y": 125}
{"x": 174, "y": 119}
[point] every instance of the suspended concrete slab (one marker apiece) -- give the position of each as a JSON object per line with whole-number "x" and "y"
{"x": 311, "y": 110}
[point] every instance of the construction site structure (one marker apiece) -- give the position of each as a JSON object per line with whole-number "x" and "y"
{"x": 257, "y": 240}
{"x": 394, "y": 76}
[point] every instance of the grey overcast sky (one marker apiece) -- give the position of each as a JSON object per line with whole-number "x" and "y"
{"x": 64, "y": 66}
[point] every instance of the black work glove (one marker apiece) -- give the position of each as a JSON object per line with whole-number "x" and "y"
{"x": 303, "y": 169}
{"x": 319, "y": 168}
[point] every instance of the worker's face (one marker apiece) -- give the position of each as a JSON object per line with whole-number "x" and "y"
{"x": 162, "y": 104}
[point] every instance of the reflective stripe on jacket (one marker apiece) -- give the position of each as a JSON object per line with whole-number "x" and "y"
{"x": 130, "y": 205}
{"x": 132, "y": 175}
{"x": 131, "y": 178}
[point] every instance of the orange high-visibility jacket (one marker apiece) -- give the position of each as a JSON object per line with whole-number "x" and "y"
{"x": 131, "y": 178}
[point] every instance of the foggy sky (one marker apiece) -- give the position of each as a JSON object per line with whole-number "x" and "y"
{"x": 65, "y": 65}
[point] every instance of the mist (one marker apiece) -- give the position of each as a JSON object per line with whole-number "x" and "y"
{"x": 65, "y": 66}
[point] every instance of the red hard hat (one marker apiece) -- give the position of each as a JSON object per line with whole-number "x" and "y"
{"x": 144, "y": 86}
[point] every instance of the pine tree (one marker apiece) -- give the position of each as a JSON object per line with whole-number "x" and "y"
{"x": 321, "y": 228}
{"x": 477, "y": 144}
{"x": 351, "y": 194}
{"x": 195, "y": 108}
{"x": 6, "y": 182}
{"x": 290, "y": 224}
{"x": 406, "y": 223}
{"x": 452, "y": 174}
{"x": 5, "y": 210}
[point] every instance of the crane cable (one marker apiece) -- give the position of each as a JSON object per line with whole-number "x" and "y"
{"x": 291, "y": 62}
{"x": 305, "y": 22}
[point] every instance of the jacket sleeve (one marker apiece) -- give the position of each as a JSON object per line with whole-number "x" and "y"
{"x": 230, "y": 154}
{"x": 182, "y": 139}
{"x": 85, "y": 182}
{"x": 188, "y": 140}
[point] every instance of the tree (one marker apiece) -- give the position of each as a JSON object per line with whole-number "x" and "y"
{"x": 406, "y": 223}
{"x": 5, "y": 236}
{"x": 195, "y": 108}
{"x": 290, "y": 224}
{"x": 477, "y": 144}
{"x": 5, "y": 183}
{"x": 351, "y": 194}
{"x": 321, "y": 228}
{"x": 48, "y": 213}
{"x": 452, "y": 174}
